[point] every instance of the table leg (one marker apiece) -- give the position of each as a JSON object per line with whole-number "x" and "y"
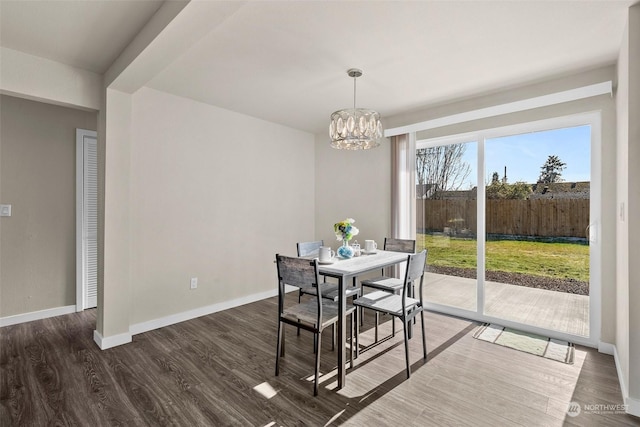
{"x": 356, "y": 337}
{"x": 342, "y": 308}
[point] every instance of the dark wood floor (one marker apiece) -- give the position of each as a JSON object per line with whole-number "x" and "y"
{"x": 218, "y": 370}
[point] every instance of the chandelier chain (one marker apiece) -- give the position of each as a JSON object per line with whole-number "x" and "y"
{"x": 354, "y": 92}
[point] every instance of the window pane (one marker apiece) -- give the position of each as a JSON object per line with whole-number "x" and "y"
{"x": 446, "y": 222}
{"x": 537, "y": 214}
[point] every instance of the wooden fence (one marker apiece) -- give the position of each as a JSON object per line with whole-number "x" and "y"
{"x": 537, "y": 217}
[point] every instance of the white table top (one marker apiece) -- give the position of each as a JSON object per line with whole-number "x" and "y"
{"x": 358, "y": 265}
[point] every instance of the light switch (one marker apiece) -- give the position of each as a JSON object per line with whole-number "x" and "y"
{"x": 5, "y": 210}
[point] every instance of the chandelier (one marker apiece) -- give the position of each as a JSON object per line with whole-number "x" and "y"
{"x": 355, "y": 128}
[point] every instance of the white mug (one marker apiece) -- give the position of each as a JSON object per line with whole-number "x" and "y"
{"x": 325, "y": 254}
{"x": 370, "y": 245}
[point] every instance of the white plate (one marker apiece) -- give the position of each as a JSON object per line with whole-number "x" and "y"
{"x": 331, "y": 261}
{"x": 370, "y": 253}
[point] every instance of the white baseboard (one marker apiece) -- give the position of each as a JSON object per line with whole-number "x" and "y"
{"x": 633, "y": 407}
{"x": 623, "y": 384}
{"x": 172, "y": 319}
{"x": 112, "y": 341}
{"x": 37, "y": 315}
{"x": 606, "y": 348}
{"x": 120, "y": 339}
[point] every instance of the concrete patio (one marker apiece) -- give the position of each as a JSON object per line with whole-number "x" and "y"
{"x": 558, "y": 311}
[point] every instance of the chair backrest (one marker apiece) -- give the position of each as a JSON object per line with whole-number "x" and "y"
{"x": 416, "y": 264}
{"x": 400, "y": 245}
{"x": 309, "y": 248}
{"x": 299, "y": 272}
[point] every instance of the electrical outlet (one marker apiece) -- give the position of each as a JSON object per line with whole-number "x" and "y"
{"x": 194, "y": 283}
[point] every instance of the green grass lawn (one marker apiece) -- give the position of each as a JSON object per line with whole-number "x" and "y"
{"x": 559, "y": 260}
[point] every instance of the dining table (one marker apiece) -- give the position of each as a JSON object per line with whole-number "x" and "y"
{"x": 345, "y": 270}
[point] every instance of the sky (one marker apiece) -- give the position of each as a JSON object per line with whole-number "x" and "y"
{"x": 524, "y": 155}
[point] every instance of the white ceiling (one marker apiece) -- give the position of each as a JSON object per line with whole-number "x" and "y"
{"x": 87, "y": 34}
{"x": 286, "y": 61}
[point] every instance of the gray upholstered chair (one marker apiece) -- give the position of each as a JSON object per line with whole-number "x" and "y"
{"x": 313, "y": 315}
{"x": 401, "y": 305}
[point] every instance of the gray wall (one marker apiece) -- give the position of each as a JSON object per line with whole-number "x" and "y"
{"x": 37, "y": 177}
{"x": 352, "y": 184}
{"x": 193, "y": 190}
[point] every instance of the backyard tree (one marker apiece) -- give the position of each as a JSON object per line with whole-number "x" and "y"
{"x": 495, "y": 178}
{"x": 551, "y": 171}
{"x": 442, "y": 167}
{"x": 501, "y": 190}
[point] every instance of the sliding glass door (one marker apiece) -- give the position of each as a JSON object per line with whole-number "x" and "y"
{"x": 506, "y": 215}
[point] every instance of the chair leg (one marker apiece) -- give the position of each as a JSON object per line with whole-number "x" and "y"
{"x": 351, "y": 339}
{"x": 315, "y": 383}
{"x": 393, "y": 326}
{"x": 283, "y": 343}
{"x": 357, "y": 331}
{"x": 406, "y": 322}
{"x": 278, "y": 347}
{"x": 376, "y": 327}
{"x": 361, "y": 315}
{"x": 424, "y": 338}
{"x": 299, "y": 298}
{"x": 333, "y": 337}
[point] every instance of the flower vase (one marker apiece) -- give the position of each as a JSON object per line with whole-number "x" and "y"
{"x": 345, "y": 251}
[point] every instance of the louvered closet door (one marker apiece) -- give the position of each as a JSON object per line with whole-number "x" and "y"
{"x": 90, "y": 222}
